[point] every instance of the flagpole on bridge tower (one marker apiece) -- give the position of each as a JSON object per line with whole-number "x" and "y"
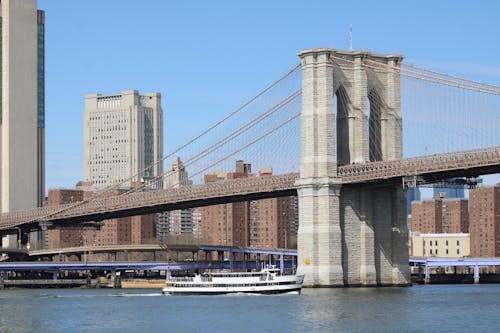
{"x": 350, "y": 37}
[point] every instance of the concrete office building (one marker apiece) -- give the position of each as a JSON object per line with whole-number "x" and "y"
{"x": 484, "y": 208}
{"x": 22, "y": 108}
{"x": 123, "y": 139}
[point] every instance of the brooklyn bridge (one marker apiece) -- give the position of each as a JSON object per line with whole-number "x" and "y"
{"x": 341, "y": 119}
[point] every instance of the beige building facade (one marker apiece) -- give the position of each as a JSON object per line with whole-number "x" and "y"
{"x": 439, "y": 245}
{"x": 22, "y": 109}
{"x": 123, "y": 139}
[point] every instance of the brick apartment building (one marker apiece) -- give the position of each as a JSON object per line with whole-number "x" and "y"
{"x": 266, "y": 223}
{"x": 126, "y": 230}
{"x": 440, "y": 215}
{"x": 484, "y": 208}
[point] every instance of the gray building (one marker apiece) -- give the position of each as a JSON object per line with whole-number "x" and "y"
{"x": 123, "y": 139}
{"x": 22, "y": 107}
{"x": 178, "y": 222}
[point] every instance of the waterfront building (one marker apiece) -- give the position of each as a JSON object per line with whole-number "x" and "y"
{"x": 426, "y": 245}
{"x": 123, "y": 139}
{"x": 22, "y": 108}
{"x": 484, "y": 207}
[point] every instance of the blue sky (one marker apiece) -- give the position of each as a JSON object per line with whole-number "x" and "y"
{"x": 207, "y": 57}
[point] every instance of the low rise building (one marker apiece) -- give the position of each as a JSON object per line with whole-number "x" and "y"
{"x": 455, "y": 245}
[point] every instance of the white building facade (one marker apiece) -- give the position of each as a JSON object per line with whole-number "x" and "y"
{"x": 123, "y": 139}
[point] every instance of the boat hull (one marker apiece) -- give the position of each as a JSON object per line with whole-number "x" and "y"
{"x": 214, "y": 291}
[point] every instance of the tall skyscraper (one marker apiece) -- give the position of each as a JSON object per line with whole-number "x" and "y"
{"x": 22, "y": 108}
{"x": 123, "y": 139}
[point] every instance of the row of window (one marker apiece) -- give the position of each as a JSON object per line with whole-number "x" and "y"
{"x": 435, "y": 252}
{"x": 436, "y": 243}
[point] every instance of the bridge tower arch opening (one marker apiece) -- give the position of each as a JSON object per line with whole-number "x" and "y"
{"x": 374, "y": 126}
{"x": 349, "y": 235}
{"x": 342, "y": 126}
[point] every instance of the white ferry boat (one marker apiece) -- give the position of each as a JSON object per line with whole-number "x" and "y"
{"x": 266, "y": 281}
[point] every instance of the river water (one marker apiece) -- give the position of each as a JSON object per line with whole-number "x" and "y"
{"x": 444, "y": 308}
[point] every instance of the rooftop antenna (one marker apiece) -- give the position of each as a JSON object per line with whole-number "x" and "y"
{"x": 350, "y": 37}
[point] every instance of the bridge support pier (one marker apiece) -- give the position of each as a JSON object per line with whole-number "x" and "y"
{"x": 320, "y": 235}
{"x": 476, "y": 274}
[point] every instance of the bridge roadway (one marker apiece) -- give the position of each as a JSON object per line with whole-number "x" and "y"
{"x": 476, "y": 263}
{"x": 156, "y": 247}
{"x": 229, "y": 263}
{"x": 56, "y": 267}
{"x": 471, "y": 163}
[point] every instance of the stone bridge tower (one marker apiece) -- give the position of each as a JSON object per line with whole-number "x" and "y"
{"x": 350, "y": 235}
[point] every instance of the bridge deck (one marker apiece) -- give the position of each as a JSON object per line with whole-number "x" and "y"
{"x": 387, "y": 173}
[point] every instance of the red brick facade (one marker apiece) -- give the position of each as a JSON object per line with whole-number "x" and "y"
{"x": 485, "y": 221}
